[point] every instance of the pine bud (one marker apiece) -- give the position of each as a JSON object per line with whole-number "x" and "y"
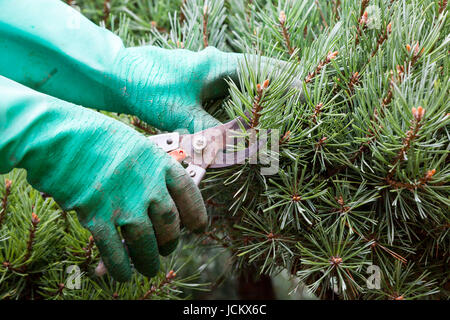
{"x": 408, "y": 47}
{"x": 205, "y": 8}
{"x": 364, "y": 18}
{"x": 170, "y": 275}
{"x": 336, "y": 260}
{"x": 332, "y": 55}
{"x": 418, "y": 113}
{"x": 416, "y": 49}
{"x": 266, "y": 84}
{"x": 282, "y": 17}
{"x": 430, "y": 174}
{"x": 8, "y": 184}
{"x": 34, "y": 218}
{"x": 389, "y": 28}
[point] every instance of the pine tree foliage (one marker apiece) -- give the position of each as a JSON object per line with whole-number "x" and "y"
{"x": 41, "y": 245}
{"x": 362, "y": 107}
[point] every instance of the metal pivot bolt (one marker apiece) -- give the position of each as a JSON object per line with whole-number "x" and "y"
{"x": 199, "y": 143}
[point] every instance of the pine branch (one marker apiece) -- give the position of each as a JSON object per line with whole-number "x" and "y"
{"x": 4, "y": 207}
{"x": 257, "y": 104}
{"x": 317, "y": 112}
{"x": 88, "y": 253}
{"x": 382, "y": 39}
{"x": 363, "y": 15}
{"x": 34, "y": 223}
{"x": 285, "y": 32}
{"x": 205, "y": 24}
{"x": 285, "y": 138}
{"x": 411, "y": 135}
{"x": 442, "y": 6}
{"x": 385, "y": 102}
{"x": 321, "y": 65}
{"x": 321, "y": 142}
{"x": 166, "y": 282}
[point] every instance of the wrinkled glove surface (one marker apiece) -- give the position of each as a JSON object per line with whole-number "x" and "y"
{"x": 52, "y": 48}
{"x": 110, "y": 174}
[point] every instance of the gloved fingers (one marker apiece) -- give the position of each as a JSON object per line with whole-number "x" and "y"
{"x": 194, "y": 119}
{"x": 166, "y": 222}
{"x": 187, "y": 198}
{"x": 112, "y": 251}
{"x": 142, "y": 246}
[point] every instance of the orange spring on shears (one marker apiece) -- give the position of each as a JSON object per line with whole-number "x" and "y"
{"x": 178, "y": 154}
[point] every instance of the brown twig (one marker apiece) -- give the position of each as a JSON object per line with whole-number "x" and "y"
{"x": 321, "y": 65}
{"x": 167, "y": 281}
{"x": 376, "y": 244}
{"x": 285, "y": 138}
{"x": 205, "y": 24}
{"x": 342, "y": 207}
{"x": 34, "y": 223}
{"x": 88, "y": 253}
{"x": 381, "y": 39}
{"x": 317, "y": 112}
{"x": 362, "y": 20}
{"x": 257, "y": 104}
{"x": 385, "y": 102}
{"x": 354, "y": 80}
{"x": 411, "y": 135}
{"x": 285, "y": 32}
{"x": 442, "y": 6}
{"x": 321, "y": 142}
{"x": 8, "y": 184}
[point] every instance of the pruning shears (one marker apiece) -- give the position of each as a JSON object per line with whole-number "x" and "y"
{"x": 216, "y": 147}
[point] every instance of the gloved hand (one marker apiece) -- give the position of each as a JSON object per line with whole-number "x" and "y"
{"x": 110, "y": 174}
{"x": 52, "y": 48}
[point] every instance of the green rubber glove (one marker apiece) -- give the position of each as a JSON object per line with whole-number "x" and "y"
{"x": 110, "y": 174}
{"x": 52, "y": 48}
